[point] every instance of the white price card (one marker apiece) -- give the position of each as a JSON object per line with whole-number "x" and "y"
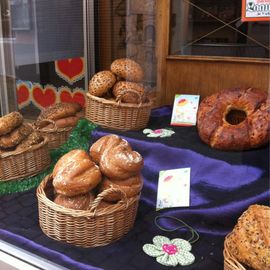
{"x": 185, "y": 109}
{"x": 173, "y": 188}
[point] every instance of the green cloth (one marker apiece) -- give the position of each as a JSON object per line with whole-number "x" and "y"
{"x": 78, "y": 139}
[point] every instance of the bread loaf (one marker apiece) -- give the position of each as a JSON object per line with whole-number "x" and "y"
{"x": 13, "y": 138}
{"x": 70, "y": 121}
{"x": 127, "y": 69}
{"x": 101, "y": 82}
{"x": 79, "y": 202}
{"x": 9, "y": 122}
{"x": 59, "y": 110}
{"x": 130, "y": 186}
{"x": 129, "y": 92}
{"x": 75, "y": 174}
{"x": 249, "y": 241}
{"x": 32, "y": 139}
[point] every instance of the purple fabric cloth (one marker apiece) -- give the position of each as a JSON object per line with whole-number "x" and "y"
{"x": 215, "y": 185}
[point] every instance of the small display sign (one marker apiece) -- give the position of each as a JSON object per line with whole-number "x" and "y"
{"x": 185, "y": 109}
{"x": 255, "y": 10}
{"x": 173, "y": 188}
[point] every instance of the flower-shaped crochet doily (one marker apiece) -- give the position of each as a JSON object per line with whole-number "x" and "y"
{"x": 162, "y": 132}
{"x": 170, "y": 252}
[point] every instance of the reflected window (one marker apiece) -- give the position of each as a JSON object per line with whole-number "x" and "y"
{"x": 214, "y": 28}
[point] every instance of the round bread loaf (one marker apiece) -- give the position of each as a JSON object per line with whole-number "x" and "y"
{"x": 79, "y": 202}
{"x": 235, "y": 119}
{"x": 130, "y": 186}
{"x": 129, "y": 92}
{"x": 59, "y": 110}
{"x": 115, "y": 157}
{"x": 101, "y": 82}
{"x": 13, "y": 138}
{"x": 250, "y": 238}
{"x": 9, "y": 122}
{"x": 127, "y": 69}
{"x": 75, "y": 173}
{"x": 104, "y": 144}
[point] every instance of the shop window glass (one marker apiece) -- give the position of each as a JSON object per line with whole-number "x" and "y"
{"x": 214, "y": 28}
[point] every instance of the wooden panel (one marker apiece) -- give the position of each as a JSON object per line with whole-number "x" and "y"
{"x": 199, "y": 74}
{"x": 207, "y": 77}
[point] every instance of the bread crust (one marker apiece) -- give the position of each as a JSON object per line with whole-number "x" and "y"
{"x": 127, "y": 69}
{"x": 13, "y": 138}
{"x": 130, "y": 186}
{"x": 252, "y": 132}
{"x": 58, "y": 111}
{"x": 101, "y": 82}
{"x": 129, "y": 92}
{"x": 250, "y": 239}
{"x": 75, "y": 173}
{"x": 9, "y": 122}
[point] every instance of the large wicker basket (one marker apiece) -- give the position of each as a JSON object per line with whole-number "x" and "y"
{"x": 56, "y": 136}
{"x": 85, "y": 228}
{"x": 117, "y": 115}
{"x": 230, "y": 263}
{"x": 26, "y": 162}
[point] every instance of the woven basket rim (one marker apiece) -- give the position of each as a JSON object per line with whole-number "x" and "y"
{"x": 30, "y": 148}
{"x": 229, "y": 259}
{"x": 120, "y": 206}
{"x": 119, "y": 104}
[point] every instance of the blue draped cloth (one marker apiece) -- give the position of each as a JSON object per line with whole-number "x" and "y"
{"x": 223, "y": 185}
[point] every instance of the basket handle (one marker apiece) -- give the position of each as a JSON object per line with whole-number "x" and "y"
{"x": 46, "y": 121}
{"x": 120, "y": 96}
{"x": 106, "y": 192}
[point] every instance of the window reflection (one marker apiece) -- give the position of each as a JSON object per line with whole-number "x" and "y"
{"x": 214, "y": 28}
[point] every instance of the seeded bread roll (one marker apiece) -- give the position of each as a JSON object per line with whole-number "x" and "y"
{"x": 131, "y": 92}
{"x": 127, "y": 69}
{"x": 58, "y": 111}
{"x": 13, "y": 138}
{"x": 10, "y": 122}
{"x": 101, "y": 82}
{"x": 32, "y": 139}
{"x": 249, "y": 241}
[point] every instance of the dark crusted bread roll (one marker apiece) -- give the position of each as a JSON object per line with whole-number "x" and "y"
{"x": 9, "y": 122}
{"x": 129, "y": 92}
{"x": 75, "y": 173}
{"x": 127, "y": 69}
{"x": 130, "y": 186}
{"x": 13, "y": 138}
{"x": 249, "y": 241}
{"x": 59, "y": 110}
{"x": 101, "y": 82}
{"x": 79, "y": 202}
{"x": 116, "y": 158}
{"x": 235, "y": 119}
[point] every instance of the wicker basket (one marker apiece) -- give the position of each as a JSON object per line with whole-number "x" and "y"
{"x": 230, "y": 263}
{"x": 56, "y": 136}
{"x": 26, "y": 162}
{"x": 85, "y": 228}
{"x": 117, "y": 115}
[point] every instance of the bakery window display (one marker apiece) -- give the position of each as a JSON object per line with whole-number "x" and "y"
{"x": 23, "y": 151}
{"x": 57, "y": 121}
{"x": 90, "y": 191}
{"x": 247, "y": 246}
{"x": 235, "y": 119}
{"x": 117, "y": 98}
